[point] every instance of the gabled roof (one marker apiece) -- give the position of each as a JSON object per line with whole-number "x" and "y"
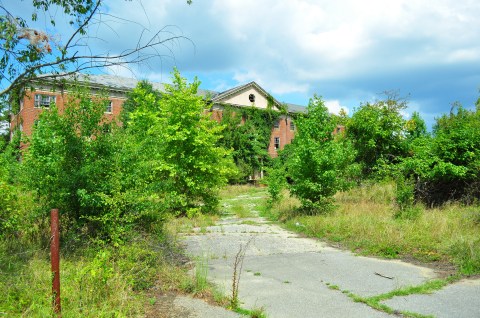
{"x": 224, "y": 95}
{"x": 127, "y": 84}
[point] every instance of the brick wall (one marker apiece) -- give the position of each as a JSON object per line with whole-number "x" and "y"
{"x": 29, "y": 114}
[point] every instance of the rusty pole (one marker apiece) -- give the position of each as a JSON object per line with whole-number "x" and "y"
{"x": 55, "y": 256}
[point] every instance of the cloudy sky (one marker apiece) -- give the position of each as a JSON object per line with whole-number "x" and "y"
{"x": 347, "y": 51}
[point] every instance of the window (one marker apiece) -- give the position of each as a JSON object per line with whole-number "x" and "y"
{"x": 292, "y": 125}
{"x": 43, "y": 100}
{"x": 276, "y": 143}
{"x": 251, "y": 97}
{"x": 109, "y": 107}
{"x": 276, "y": 125}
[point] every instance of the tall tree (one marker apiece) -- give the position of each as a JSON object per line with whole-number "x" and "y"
{"x": 177, "y": 146}
{"x": 377, "y": 132}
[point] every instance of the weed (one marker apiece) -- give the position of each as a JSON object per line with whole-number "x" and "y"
{"x": 426, "y": 288}
{"x": 254, "y": 313}
{"x": 367, "y": 223}
{"x": 237, "y": 270}
{"x": 466, "y": 254}
{"x": 257, "y": 274}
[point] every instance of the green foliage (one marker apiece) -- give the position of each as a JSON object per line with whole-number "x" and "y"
{"x": 247, "y": 132}
{"x": 318, "y": 165}
{"x": 9, "y": 219}
{"x": 136, "y": 97}
{"x": 415, "y": 127}
{"x": 377, "y": 133}
{"x": 72, "y": 164}
{"x": 276, "y": 180}
{"x": 176, "y": 151}
{"x": 446, "y": 165}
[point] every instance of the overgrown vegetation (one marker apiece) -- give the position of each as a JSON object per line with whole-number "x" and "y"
{"x": 247, "y": 133}
{"x": 366, "y": 221}
{"x": 114, "y": 186}
{"x": 318, "y": 165}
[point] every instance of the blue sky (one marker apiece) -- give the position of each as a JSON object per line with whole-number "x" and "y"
{"x": 346, "y": 51}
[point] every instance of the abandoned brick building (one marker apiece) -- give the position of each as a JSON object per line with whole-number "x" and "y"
{"x": 248, "y": 95}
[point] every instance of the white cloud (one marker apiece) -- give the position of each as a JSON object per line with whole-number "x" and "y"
{"x": 344, "y": 50}
{"x": 334, "y": 107}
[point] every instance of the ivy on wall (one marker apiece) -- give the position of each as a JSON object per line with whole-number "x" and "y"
{"x": 247, "y": 132}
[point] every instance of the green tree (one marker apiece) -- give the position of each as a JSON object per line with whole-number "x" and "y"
{"x": 177, "y": 145}
{"x": 71, "y": 164}
{"x": 446, "y": 165}
{"x": 377, "y": 133}
{"x": 415, "y": 127}
{"x": 318, "y": 165}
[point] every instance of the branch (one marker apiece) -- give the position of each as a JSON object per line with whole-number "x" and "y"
{"x": 29, "y": 72}
{"x": 84, "y": 24}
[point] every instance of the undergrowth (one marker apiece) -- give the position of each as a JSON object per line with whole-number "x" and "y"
{"x": 96, "y": 280}
{"x": 367, "y": 221}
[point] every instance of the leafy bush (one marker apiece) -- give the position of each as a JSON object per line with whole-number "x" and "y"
{"x": 175, "y": 148}
{"x": 446, "y": 166}
{"x": 377, "y": 132}
{"x": 318, "y": 165}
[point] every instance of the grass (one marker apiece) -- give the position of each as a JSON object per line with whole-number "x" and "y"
{"x": 252, "y": 313}
{"x": 96, "y": 281}
{"x": 365, "y": 222}
{"x": 177, "y": 226}
{"x": 376, "y": 301}
{"x": 242, "y": 200}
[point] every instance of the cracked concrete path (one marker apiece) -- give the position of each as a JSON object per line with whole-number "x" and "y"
{"x": 291, "y": 276}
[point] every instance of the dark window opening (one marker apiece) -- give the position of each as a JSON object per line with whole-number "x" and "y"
{"x": 276, "y": 143}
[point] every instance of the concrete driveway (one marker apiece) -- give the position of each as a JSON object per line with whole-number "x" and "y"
{"x": 291, "y": 276}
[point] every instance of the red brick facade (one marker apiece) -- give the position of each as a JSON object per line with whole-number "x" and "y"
{"x": 30, "y": 110}
{"x": 31, "y": 106}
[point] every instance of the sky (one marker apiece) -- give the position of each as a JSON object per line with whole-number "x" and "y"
{"x": 346, "y": 51}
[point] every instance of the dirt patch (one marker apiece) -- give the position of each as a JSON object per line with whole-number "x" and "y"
{"x": 164, "y": 307}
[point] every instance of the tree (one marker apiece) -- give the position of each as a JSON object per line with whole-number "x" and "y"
{"x": 180, "y": 162}
{"x": 318, "y": 165}
{"x": 377, "y": 132}
{"x": 28, "y": 51}
{"x": 446, "y": 165}
{"x": 415, "y": 127}
{"x": 71, "y": 163}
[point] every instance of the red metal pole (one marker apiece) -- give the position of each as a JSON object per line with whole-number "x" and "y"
{"x": 55, "y": 256}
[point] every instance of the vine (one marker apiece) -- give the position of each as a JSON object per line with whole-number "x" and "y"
{"x": 247, "y": 132}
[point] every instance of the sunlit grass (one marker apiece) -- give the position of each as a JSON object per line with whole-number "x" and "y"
{"x": 365, "y": 222}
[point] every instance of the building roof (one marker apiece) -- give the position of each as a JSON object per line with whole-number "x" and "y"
{"x": 127, "y": 84}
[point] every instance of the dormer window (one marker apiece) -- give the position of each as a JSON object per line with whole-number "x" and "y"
{"x": 251, "y": 98}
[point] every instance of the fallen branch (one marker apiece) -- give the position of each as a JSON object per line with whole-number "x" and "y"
{"x": 381, "y": 275}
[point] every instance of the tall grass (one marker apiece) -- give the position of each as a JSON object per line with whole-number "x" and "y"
{"x": 96, "y": 281}
{"x": 365, "y": 221}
